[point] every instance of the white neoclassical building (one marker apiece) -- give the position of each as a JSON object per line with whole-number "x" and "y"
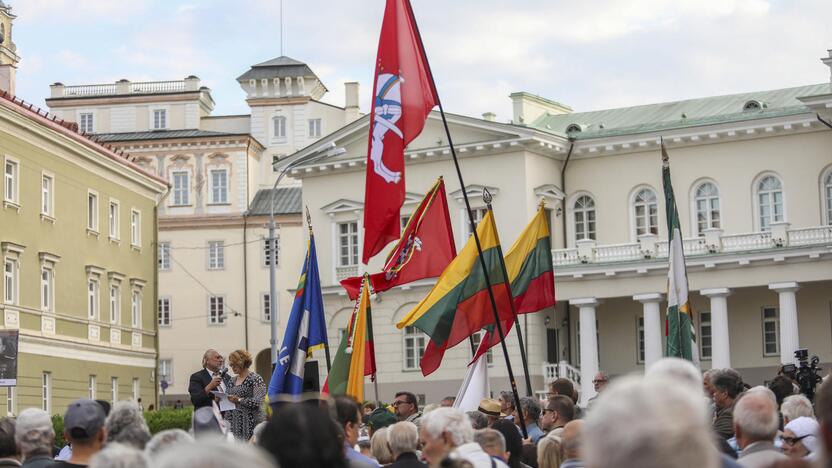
{"x": 752, "y": 174}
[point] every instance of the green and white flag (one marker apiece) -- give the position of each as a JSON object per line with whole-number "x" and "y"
{"x": 681, "y": 336}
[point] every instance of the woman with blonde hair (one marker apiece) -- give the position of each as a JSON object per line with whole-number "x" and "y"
{"x": 247, "y": 391}
{"x": 379, "y": 448}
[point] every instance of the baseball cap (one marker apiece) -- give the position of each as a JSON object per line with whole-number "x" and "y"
{"x": 83, "y": 419}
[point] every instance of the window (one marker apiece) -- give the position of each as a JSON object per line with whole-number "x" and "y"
{"x": 771, "y": 331}
{"x": 405, "y": 219}
{"x": 640, "y": 338}
{"x": 314, "y": 128}
{"x": 584, "y": 212}
{"x": 92, "y": 298}
{"x": 181, "y": 188}
{"x": 136, "y": 389}
{"x": 136, "y": 309}
{"x": 414, "y": 347}
{"x": 86, "y": 122}
{"x": 705, "y": 344}
{"x": 165, "y": 370}
{"x": 46, "y": 393}
{"x": 11, "y": 402}
{"x": 770, "y": 202}
{"x": 219, "y": 186}
{"x": 164, "y": 256}
{"x": 92, "y": 211}
{"x": 114, "y": 389}
{"x": 93, "y": 387}
{"x": 135, "y": 228}
{"x": 46, "y": 195}
{"x": 113, "y": 217}
{"x": 164, "y": 312}
{"x": 706, "y": 207}
{"x": 646, "y": 213}
{"x": 160, "y": 119}
{"x": 216, "y": 255}
{"x": 348, "y": 243}
{"x": 827, "y": 192}
{"x": 489, "y": 355}
{"x": 267, "y": 253}
{"x": 47, "y": 288}
{"x": 267, "y": 307}
{"x": 11, "y": 178}
{"x": 216, "y": 310}
{"x": 10, "y": 281}
{"x": 479, "y": 214}
{"x": 115, "y": 303}
{"x": 279, "y": 127}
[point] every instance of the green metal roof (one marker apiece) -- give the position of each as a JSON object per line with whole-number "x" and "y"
{"x": 680, "y": 114}
{"x": 161, "y": 135}
{"x": 287, "y": 200}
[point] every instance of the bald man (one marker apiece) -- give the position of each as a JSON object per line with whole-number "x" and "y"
{"x": 570, "y": 446}
{"x": 212, "y": 377}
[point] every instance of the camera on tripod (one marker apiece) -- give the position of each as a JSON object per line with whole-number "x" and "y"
{"x": 806, "y": 373}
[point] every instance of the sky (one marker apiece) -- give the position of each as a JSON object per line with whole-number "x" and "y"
{"x": 588, "y": 54}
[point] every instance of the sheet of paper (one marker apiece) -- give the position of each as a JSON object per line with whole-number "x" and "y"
{"x": 224, "y": 403}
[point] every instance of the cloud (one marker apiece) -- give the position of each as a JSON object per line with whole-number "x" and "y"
{"x": 77, "y": 10}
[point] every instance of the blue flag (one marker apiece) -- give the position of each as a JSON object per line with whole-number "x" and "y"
{"x": 305, "y": 331}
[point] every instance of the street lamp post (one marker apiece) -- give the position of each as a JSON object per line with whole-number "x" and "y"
{"x": 272, "y": 244}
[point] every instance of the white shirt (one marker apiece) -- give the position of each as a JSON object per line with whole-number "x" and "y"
{"x": 474, "y": 454}
{"x": 221, "y": 386}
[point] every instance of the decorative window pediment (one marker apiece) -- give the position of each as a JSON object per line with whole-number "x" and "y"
{"x": 474, "y": 190}
{"x": 11, "y": 247}
{"x": 341, "y": 206}
{"x": 411, "y": 198}
{"x": 549, "y": 191}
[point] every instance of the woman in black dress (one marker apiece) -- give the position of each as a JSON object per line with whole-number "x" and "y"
{"x": 247, "y": 392}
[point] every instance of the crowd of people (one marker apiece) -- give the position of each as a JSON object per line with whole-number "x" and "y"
{"x": 672, "y": 416}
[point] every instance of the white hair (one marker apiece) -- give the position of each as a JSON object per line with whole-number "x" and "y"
{"x": 165, "y": 440}
{"x": 677, "y": 369}
{"x": 450, "y": 420}
{"x": 213, "y": 453}
{"x": 755, "y": 415}
{"x": 649, "y": 423}
{"x": 762, "y": 390}
{"x": 33, "y": 432}
{"x": 490, "y": 439}
{"x": 403, "y": 437}
{"x": 795, "y": 406}
{"x": 125, "y": 424}
{"x": 116, "y": 455}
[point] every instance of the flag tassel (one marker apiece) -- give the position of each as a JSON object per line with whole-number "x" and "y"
{"x": 511, "y": 295}
{"x": 473, "y": 228}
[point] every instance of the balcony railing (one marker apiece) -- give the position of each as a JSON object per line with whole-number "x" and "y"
{"x": 125, "y": 87}
{"x": 713, "y": 242}
{"x": 348, "y": 271}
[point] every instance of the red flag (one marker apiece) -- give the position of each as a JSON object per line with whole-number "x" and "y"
{"x": 403, "y": 95}
{"x": 424, "y": 250}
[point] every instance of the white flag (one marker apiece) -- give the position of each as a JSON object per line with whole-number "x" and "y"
{"x": 475, "y": 387}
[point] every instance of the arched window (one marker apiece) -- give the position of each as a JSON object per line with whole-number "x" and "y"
{"x": 584, "y": 212}
{"x": 646, "y": 212}
{"x": 706, "y": 207}
{"x": 770, "y": 201}
{"x": 827, "y": 196}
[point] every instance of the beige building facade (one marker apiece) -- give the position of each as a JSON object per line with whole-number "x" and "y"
{"x": 752, "y": 174}
{"x": 213, "y": 250}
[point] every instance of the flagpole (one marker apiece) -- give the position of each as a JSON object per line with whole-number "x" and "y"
{"x": 311, "y": 239}
{"x": 370, "y": 338}
{"x": 472, "y": 224}
{"x": 486, "y": 197}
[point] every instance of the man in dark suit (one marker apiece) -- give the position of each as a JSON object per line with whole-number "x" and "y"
{"x": 403, "y": 439}
{"x": 212, "y": 377}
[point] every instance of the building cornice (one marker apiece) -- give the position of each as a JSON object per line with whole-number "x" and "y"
{"x": 117, "y": 99}
{"x": 178, "y": 223}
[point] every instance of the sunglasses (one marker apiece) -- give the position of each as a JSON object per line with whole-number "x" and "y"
{"x": 599, "y": 381}
{"x": 794, "y": 440}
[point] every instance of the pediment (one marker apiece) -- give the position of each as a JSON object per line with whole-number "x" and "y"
{"x": 549, "y": 191}
{"x": 474, "y": 190}
{"x": 341, "y": 206}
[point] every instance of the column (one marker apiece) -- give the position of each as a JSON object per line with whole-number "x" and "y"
{"x": 651, "y": 303}
{"x": 589, "y": 345}
{"x": 720, "y": 342}
{"x": 789, "y": 341}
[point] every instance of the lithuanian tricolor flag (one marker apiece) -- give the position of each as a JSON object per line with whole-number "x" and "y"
{"x": 530, "y": 273}
{"x": 355, "y": 357}
{"x": 458, "y": 305}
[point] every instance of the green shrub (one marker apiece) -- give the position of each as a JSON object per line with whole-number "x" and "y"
{"x": 58, "y": 425}
{"x": 168, "y": 418}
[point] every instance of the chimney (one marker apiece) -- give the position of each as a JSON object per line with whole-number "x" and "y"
{"x": 828, "y": 62}
{"x": 528, "y": 107}
{"x": 489, "y": 116}
{"x": 351, "y": 101}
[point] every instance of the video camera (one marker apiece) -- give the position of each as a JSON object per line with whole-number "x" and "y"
{"x": 806, "y": 374}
